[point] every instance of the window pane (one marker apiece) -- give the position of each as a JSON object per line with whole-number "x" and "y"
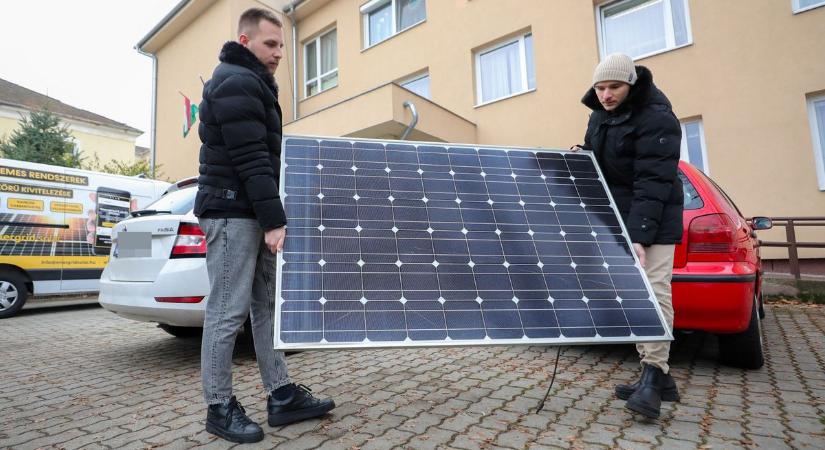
{"x": 420, "y": 86}
{"x": 680, "y": 34}
{"x": 693, "y": 141}
{"x": 635, "y": 31}
{"x": 312, "y": 61}
{"x": 329, "y": 81}
{"x": 410, "y": 12}
{"x": 312, "y": 88}
{"x": 806, "y": 3}
{"x": 380, "y": 24}
{"x": 500, "y": 72}
{"x": 819, "y": 112}
{"x": 531, "y": 65}
{"x": 329, "y": 52}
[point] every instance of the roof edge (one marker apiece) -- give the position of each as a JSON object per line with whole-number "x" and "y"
{"x": 163, "y": 22}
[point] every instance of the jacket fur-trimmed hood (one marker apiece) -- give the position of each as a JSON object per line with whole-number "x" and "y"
{"x": 235, "y": 53}
{"x": 642, "y": 93}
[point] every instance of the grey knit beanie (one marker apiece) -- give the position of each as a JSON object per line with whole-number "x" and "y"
{"x": 616, "y": 67}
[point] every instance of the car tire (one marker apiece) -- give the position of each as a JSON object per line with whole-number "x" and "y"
{"x": 181, "y": 332}
{"x": 13, "y": 293}
{"x": 744, "y": 349}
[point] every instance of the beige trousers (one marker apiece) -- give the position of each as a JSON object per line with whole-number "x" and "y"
{"x": 659, "y": 270}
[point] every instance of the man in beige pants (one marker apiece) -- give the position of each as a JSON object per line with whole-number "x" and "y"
{"x": 635, "y": 138}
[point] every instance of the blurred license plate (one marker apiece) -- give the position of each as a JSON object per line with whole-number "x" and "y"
{"x": 134, "y": 244}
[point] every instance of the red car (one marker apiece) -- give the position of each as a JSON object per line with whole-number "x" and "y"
{"x": 717, "y": 271}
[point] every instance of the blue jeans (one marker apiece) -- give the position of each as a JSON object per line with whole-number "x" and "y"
{"x": 242, "y": 281}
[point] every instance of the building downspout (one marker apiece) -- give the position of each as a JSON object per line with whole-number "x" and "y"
{"x": 413, "y": 122}
{"x": 153, "y": 131}
{"x": 291, "y": 14}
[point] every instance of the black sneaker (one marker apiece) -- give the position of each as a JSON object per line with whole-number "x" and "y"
{"x": 229, "y": 421}
{"x": 293, "y": 403}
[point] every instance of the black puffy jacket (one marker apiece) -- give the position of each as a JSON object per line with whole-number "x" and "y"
{"x": 637, "y": 147}
{"x": 240, "y": 131}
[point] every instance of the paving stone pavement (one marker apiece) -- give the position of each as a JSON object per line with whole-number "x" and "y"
{"x": 82, "y": 377}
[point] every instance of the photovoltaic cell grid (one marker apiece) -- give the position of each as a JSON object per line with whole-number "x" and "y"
{"x": 46, "y": 241}
{"x": 413, "y": 244}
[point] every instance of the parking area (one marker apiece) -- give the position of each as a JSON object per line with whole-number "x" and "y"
{"x": 80, "y": 377}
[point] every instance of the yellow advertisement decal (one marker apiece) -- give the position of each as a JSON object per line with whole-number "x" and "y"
{"x": 29, "y": 189}
{"x": 57, "y": 262}
{"x": 25, "y": 204}
{"x": 40, "y": 175}
{"x": 63, "y": 207}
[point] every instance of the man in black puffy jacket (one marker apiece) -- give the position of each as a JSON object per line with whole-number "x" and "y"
{"x": 636, "y": 138}
{"x": 240, "y": 211}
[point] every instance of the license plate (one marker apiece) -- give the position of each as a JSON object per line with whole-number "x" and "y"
{"x": 131, "y": 244}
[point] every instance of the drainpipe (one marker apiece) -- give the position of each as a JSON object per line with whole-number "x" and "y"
{"x": 291, "y": 14}
{"x": 409, "y": 104}
{"x": 153, "y": 131}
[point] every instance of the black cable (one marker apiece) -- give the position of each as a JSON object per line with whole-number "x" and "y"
{"x": 552, "y": 379}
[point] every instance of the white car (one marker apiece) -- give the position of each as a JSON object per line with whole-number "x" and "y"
{"x": 157, "y": 266}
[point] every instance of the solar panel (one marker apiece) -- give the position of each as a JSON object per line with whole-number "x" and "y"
{"x": 396, "y": 244}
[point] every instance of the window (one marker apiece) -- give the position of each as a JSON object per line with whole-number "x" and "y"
{"x": 321, "y": 63}
{"x": 506, "y": 69}
{"x": 693, "y": 145}
{"x": 643, "y": 27}
{"x": 386, "y": 18}
{"x": 804, "y": 5}
{"x": 419, "y": 84}
{"x": 816, "y": 111}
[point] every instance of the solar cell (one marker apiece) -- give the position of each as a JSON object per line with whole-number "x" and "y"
{"x": 394, "y": 244}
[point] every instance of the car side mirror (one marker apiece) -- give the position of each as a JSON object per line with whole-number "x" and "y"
{"x": 761, "y": 223}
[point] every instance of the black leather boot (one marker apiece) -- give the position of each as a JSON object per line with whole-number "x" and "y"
{"x": 670, "y": 393}
{"x": 647, "y": 399}
{"x": 229, "y": 421}
{"x": 293, "y": 403}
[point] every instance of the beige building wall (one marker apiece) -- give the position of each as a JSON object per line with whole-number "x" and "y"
{"x": 182, "y": 62}
{"x": 92, "y": 139}
{"x": 747, "y": 74}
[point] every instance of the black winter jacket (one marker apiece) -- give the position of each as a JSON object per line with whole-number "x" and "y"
{"x": 637, "y": 148}
{"x": 240, "y": 131}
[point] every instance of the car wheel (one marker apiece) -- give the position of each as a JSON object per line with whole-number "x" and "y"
{"x": 13, "y": 293}
{"x": 744, "y": 349}
{"x": 181, "y": 332}
{"x": 761, "y": 306}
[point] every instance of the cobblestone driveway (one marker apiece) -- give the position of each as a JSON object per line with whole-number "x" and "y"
{"x": 85, "y": 378}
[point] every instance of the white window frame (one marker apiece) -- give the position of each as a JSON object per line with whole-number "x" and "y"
{"x": 522, "y": 67}
{"x": 373, "y": 5}
{"x": 818, "y": 145}
{"x": 798, "y": 9}
{"x": 413, "y": 78}
{"x": 319, "y": 76}
{"x": 685, "y": 154}
{"x": 670, "y": 37}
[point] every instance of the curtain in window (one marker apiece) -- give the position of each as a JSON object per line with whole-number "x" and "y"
{"x": 410, "y": 12}
{"x": 693, "y": 139}
{"x": 531, "y": 65}
{"x": 680, "y": 32}
{"x": 500, "y": 72}
{"x": 329, "y": 59}
{"x": 420, "y": 86}
{"x": 635, "y": 30}
{"x": 380, "y": 24}
{"x": 819, "y": 112}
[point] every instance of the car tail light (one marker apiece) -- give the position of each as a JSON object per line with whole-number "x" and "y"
{"x": 196, "y": 299}
{"x": 190, "y": 242}
{"x": 713, "y": 233}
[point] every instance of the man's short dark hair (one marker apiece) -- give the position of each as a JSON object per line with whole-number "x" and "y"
{"x": 251, "y": 18}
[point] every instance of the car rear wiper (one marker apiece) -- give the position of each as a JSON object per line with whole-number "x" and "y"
{"x": 148, "y": 212}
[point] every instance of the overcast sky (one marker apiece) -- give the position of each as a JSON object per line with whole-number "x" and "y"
{"x": 81, "y": 52}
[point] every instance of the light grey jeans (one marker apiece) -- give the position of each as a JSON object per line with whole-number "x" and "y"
{"x": 242, "y": 281}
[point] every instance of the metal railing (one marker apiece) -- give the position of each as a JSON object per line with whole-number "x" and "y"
{"x": 793, "y": 246}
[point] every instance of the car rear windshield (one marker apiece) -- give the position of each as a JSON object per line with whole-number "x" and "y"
{"x": 178, "y": 202}
{"x": 692, "y": 198}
